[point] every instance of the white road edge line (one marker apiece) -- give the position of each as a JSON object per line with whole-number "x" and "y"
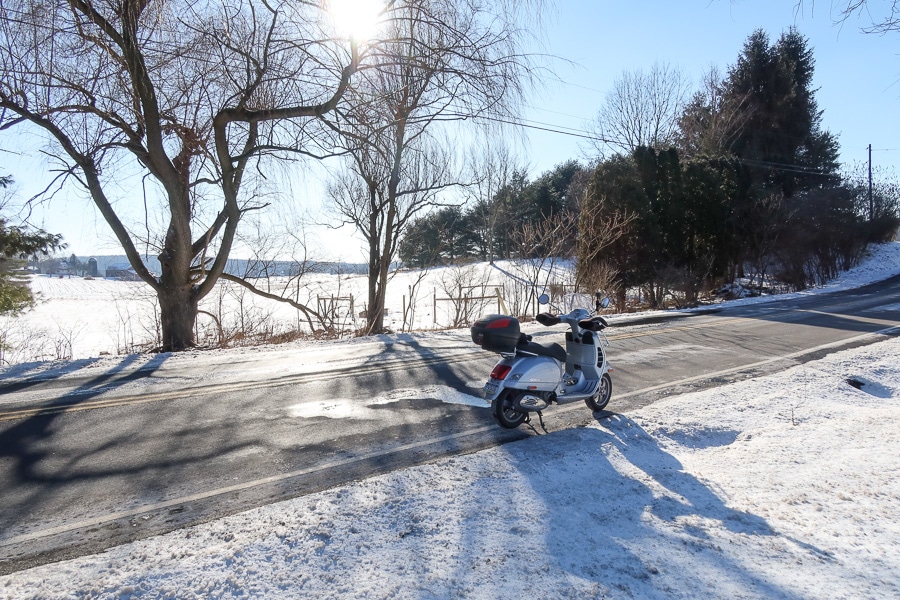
{"x": 768, "y": 361}
{"x": 27, "y": 537}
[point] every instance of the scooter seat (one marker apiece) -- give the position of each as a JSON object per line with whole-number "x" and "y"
{"x": 553, "y": 350}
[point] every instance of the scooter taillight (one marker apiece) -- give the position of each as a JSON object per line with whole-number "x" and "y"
{"x": 500, "y": 371}
{"x": 499, "y": 324}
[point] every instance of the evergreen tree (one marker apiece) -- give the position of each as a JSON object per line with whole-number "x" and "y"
{"x": 685, "y": 220}
{"x": 441, "y": 237}
{"x": 551, "y": 194}
{"x": 76, "y": 267}
{"x": 17, "y": 243}
{"x": 493, "y": 220}
{"x": 781, "y": 139}
{"x": 616, "y": 190}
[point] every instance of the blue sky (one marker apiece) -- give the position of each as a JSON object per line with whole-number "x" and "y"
{"x": 857, "y": 75}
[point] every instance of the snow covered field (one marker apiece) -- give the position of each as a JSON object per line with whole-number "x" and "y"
{"x": 81, "y": 318}
{"x": 786, "y": 486}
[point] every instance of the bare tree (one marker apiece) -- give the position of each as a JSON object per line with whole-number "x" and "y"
{"x": 465, "y": 287}
{"x": 381, "y": 202}
{"x": 642, "y": 109}
{"x": 492, "y": 168}
{"x": 442, "y": 60}
{"x": 409, "y": 310}
{"x": 882, "y": 18}
{"x": 277, "y": 265}
{"x": 603, "y": 226}
{"x": 192, "y": 95}
{"x": 599, "y": 228}
{"x": 541, "y": 246}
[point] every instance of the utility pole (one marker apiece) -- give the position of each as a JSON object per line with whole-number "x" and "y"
{"x": 871, "y": 206}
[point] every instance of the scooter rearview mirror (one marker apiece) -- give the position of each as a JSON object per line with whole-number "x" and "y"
{"x": 544, "y": 299}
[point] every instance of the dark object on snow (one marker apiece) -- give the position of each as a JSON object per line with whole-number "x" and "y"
{"x": 855, "y": 383}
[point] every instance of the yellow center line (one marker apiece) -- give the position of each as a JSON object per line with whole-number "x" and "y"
{"x": 712, "y": 324}
{"x": 187, "y": 393}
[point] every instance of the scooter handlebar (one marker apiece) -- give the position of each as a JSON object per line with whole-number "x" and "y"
{"x": 578, "y": 317}
{"x": 597, "y": 323}
{"x": 548, "y": 320}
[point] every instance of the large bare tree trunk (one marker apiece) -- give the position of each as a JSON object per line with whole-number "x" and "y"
{"x": 178, "y": 312}
{"x": 374, "y": 312}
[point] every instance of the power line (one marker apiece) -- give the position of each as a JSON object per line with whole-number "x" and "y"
{"x": 552, "y": 128}
{"x": 574, "y": 132}
{"x": 802, "y": 169}
{"x": 584, "y": 87}
{"x": 554, "y": 112}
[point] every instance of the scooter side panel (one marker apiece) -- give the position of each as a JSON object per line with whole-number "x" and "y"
{"x": 539, "y": 373}
{"x": 535, "y": 372}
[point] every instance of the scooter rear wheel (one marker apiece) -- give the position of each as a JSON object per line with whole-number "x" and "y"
{"x": 598, "y": 401}
{"x": 506, "y": 415}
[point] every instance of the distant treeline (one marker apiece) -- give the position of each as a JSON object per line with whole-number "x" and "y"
{"x": 250, "y": 268}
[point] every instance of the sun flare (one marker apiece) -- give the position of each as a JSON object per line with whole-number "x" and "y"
{"x": 359, "y": 19}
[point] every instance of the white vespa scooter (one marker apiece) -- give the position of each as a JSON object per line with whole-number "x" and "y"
{"x": 531, "y": 376}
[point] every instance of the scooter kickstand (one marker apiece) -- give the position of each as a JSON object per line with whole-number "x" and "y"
{"x": 531, "y": 426}
{"x": 541, "y": 419}
{"x": 527, "y": 422}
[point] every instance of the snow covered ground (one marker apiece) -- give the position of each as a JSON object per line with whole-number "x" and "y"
{"x": 786, "y": 486}
{"x": 77, "y": 318}
{"x": 780, "y": 487}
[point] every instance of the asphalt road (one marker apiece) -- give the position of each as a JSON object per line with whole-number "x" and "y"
{"x": 85, "y": 472}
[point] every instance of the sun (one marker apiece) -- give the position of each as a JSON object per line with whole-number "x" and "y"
{"x": 358, "y": 19}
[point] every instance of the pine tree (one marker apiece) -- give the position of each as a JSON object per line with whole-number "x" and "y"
{"x": 16, "y": 243}
{"x": 781, "y": 139}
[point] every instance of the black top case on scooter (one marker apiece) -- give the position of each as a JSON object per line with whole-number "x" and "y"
{"x": 496, "y": 333}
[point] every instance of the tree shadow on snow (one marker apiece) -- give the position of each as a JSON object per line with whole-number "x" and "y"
{"x": 25, "y": 375}
{"x": 636, "y": 520}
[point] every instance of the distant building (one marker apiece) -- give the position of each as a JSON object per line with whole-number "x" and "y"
{"x": 92, "y": 268}
{"x": 121, "y": 271}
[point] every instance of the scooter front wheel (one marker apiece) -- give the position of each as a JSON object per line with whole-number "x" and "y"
{"x": 598, "y": 401}
{"x": 505, "y": 413}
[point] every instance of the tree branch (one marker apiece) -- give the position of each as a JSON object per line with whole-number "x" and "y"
{"x": 308, "y": 312}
